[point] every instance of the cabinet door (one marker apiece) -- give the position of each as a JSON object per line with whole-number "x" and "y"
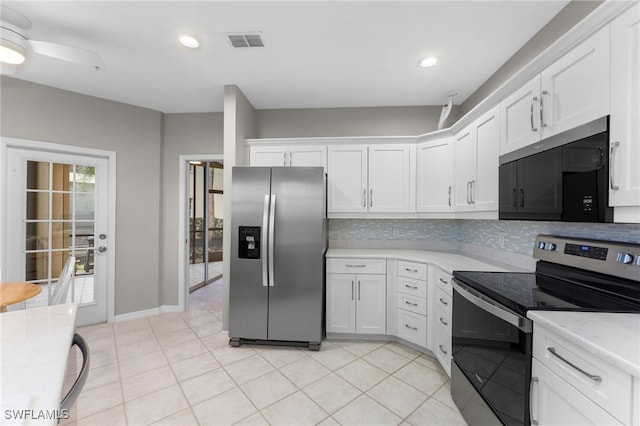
{"x": 371, "y": 304}
{"x": 308, "y": 156}
{"x": 556, "y": 402}
{"x": 484, "y": 189}
{"x": 464, "y": 168}
{"x": 341, "y": 305}
{"x": 625, "y": 110}
{"x": 519, "y": 117}
{"x": 575, "y": 89}
{"x": 347, "y": 179}
{"x": 435, "y": 176}
{"x": 389, "y": 178}
{"x": 268, "y": 156}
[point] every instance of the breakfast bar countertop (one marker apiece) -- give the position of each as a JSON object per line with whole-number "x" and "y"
{"x": 34, "y": 346}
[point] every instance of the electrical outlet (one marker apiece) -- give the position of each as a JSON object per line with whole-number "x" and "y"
{"x": 501, "y": 238}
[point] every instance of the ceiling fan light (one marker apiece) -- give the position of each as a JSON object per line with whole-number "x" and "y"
{"x": 189, "y": 41}
{"x": 11, "y": 53}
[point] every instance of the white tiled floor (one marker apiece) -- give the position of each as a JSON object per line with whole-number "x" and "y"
{"x": 178, "y": 369}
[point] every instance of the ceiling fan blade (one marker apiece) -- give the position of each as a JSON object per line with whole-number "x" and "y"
{"x": 7, "y": 69}
{"x": 67, "y": 53}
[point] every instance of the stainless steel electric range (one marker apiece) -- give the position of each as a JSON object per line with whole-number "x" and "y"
{"x": 492, "y": 337}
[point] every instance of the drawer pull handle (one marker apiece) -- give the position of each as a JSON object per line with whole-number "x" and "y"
{"x": 411, "y": 328}
{"x": 442, "y": 349}
{"x": 443, "y": 281}
{"x": 443, "y": 322}
{"x": 444, "y": 302}
{"x": 413, "y": 287}
{"x": 406, "y": 302}
{"x": 356, "y": 266}
{"x": 411, "y": 270}
{"x": 591, "y": 376}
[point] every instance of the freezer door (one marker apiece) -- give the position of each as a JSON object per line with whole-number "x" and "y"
{"x": 248, "y": 295}
{"x": 296, "y": 294}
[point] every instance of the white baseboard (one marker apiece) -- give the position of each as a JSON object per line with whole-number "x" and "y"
{"x": 164, "y": 309}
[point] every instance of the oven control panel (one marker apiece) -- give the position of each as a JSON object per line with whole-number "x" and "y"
{"x": 607, "y": 257}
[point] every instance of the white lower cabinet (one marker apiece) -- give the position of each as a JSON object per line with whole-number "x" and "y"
{"x": 356, "y": 302}
{"x": 411, "y": 297}
{"x": 571, "y": 386}
{"x": 441, "y": 317}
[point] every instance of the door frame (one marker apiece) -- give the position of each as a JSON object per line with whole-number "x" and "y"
{"x": 183, "y": 223}
{"x": 6, "y": 143}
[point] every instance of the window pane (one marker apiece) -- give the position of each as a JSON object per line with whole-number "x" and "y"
{"x": 60, "y": 206}
{"x": 84, "y": 262}
{"x": 58, "y": 259}
{"x": 85, "y": 206}
{"x": 37, "y": 266}
{"x": 61, "y": 235}
{"x": 61, "y": 177}
{"x": 216, "y": 177}
{"x": 37, "y": 205}
{"x": 37, "y": 175}
{"x": 85, "y": 179}
{"x": 37, "y": 237}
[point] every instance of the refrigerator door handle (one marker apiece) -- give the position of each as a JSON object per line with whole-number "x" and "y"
{"x": 263, "y": 241}
{"x": 272, "y": 232}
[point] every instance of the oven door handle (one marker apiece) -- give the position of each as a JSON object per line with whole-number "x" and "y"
{"x": 512, "y": 318}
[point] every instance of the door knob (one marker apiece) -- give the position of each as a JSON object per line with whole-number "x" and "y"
{"x": 102, "y": 249}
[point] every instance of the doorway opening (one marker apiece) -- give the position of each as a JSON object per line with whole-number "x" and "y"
{"x": 205, "y": 222}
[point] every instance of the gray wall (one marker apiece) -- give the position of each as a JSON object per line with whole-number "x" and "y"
{"x": 566, "y": 19}
{"x": 193, "y": 133}
{"x": 41, "y": 113}
{"x": 374, "y": 121}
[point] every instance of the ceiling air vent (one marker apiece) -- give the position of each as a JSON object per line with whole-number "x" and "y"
{"x": 246, "y": 40}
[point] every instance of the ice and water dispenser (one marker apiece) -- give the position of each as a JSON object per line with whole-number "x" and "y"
{"x": 249, "y": 244}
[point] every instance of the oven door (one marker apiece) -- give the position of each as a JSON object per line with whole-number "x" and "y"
{"x": 491, "y": 368}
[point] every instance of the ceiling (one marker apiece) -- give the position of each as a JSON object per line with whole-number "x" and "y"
{"x": 317, "y": 54}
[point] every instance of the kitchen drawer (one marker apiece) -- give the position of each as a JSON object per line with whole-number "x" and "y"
{"x": 443, "y": 280}
{"x": 413, "y": 287}
{"x": 612, "y": 392}
{"x": 414, "y": 270}
{"x": 442, "y": 320}
{"x": 412, "y": 327}
{"x": 414, "y": 304}
{"x": 442, "y": 299}
{"x": 356, "y": 266}
{"x": 442, "y": 349}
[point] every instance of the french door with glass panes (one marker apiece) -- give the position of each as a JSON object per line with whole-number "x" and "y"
{"x": 57, "y": 208}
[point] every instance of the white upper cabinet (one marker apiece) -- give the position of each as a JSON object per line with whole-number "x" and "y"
{"x": 572, "y": 91}
{"x": 476, "y": 164}
{"x": 435, "y": 176}
{"x": 374, "y": 178}
{"x": 293, "y": 155}
{"x": 575, "y": 89}
{"x": 347, "y": 179}
{"x": 624, "y": 188}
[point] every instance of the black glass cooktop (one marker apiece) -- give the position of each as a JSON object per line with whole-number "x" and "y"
{"x": 522, "y": 291}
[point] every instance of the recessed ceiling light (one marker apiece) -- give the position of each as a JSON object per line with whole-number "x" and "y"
{"x": 428, "y": 62}
{"x": 189, "y": 41}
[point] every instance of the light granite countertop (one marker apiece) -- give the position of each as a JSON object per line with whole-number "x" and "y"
{"x": 447, "y": 261}
{"x": 34, "y": 346}
{"x": 613, "y": 337}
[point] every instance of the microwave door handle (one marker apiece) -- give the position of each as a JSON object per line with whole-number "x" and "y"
{"x": 521, "y": 323}
{"x": 272, "y": 238}
{"x": 515, "y": 197}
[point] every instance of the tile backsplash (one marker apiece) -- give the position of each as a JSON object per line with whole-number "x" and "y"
{"x": 507, "y": 241}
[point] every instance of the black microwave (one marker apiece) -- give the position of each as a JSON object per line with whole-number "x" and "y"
{"x": 563, "y": 178}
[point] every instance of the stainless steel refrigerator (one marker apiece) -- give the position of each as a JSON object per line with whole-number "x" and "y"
{"x": 278, "y": 243}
